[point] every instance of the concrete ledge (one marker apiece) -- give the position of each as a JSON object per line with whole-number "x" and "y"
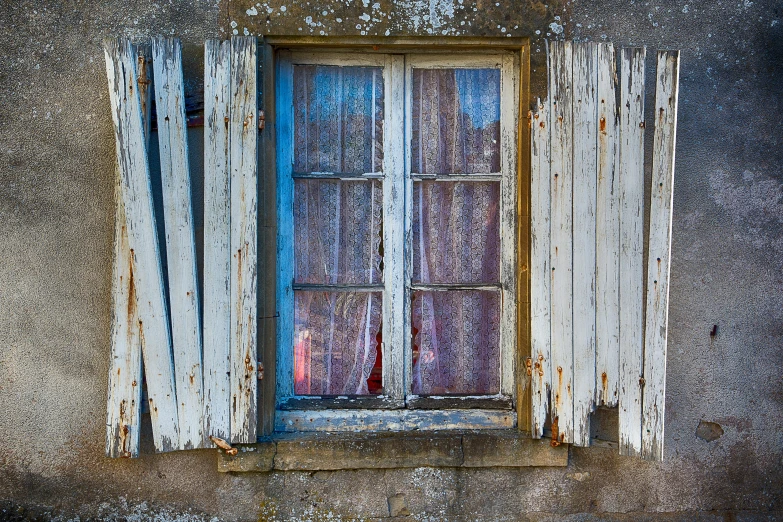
{"x": 330, "y": 451}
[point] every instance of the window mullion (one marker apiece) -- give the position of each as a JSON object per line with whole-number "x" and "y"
{"x": 395, "y": 315}
{"x": 285, "y": 228}
{"x": 509, "y": 115}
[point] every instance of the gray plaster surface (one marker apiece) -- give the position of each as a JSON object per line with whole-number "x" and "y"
{"x": 56, "y": 212}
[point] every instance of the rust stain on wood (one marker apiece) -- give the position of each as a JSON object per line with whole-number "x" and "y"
{"x": 555, "y": 442}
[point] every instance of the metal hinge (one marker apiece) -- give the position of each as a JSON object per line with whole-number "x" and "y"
{"x": 261, "y": 120}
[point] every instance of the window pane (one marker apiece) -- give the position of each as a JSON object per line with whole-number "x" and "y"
{"x": 456, "y": 342}
{"x": 456, "y": 121}
{"x": 337, "y": 343}
{"x": 456, "y": 235}
{"x": 338, "y": 119}
{"x": 337, "y": 231}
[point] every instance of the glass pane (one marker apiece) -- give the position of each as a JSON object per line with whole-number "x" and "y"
{"x": 337, "y": 231}
{"x": 456, "y": 121}
{"x": 456, "y": 342}
{"x": 337, "y": 343}
{"x": 456, "y": 235}
{"x": 338, "y": 119}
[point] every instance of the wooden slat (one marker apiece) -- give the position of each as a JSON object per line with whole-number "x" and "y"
{"x": 523, "y": 388}
{"x": 392, "y": 420}
{"x": 540, "y": 270}
{"x": 585, "y": 107}
{"x": 658, "y": 263}
{"x": 561, "y": 179}
{"x": 285, "y": 227}
{"x": 509, "y": 247}
{"x": 217, "y": 234}
{"x": 607, "y": 246}
{"x": 631, "y": 182}
{"x": 123, "y": 420}
{"x": 180, "y": 238}
{"x": 267, "y": 251}
{"x": 142, "y": 241}
{"x": 394, "y": 331}
{"x": 243, "y": 129}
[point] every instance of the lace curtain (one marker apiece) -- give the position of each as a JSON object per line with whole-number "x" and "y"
{"x": 456, "y": 233}
{"x": 338, "y": 119}
{"x": 456, "y": 337}
{"x": 337, "y": 229}
{"x": 456, "y": 121}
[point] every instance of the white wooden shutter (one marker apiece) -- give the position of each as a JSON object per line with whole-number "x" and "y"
{"x": 591, "y": 344}
{"x": 195, "y": 391}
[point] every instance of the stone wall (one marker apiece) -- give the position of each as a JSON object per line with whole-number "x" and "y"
{"x": 56, "y": 212}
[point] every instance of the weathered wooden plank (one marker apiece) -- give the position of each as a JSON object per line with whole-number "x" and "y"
{"x": 540, "y": 269}
{"x": 180, "y": 238}
{"x": 392, "y": 420}
{"x": 243, "y": 130}
{"x": 462, "y": 402}
{"x": 285, "y": 227}
{"x": 123, "y": 419}
{"x": 631, "y": 182}
{"x": 523, "y": 389}
{"x": 509, "y": 114}
{"x": 267, "y": 250}
{"x": 394, "y": 331}
{"x": 659, "y": 258}
{"x": 217, "y": 235}
{"x": 585, "y": 108}
{"x": 561, "y": 244}
{"x": 407, "y": 259}
{"x": 142, "y": 241}
{"x": 607, "y": 245}
{"x": 354, "y": 402}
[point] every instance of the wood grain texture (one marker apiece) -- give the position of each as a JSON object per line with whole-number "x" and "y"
{"x": 217, "y": 236}
{"x": 392, "y": 420}
{"x": 142, "y": 241}
{"x": 284, "y": 89}
{"x": 267, "y": 249}
{"x": 631, "y": 182}
{"x": 123, "y": 418}
{"x": 523, "y": 388}
{"x": 394, "y": 331}
{"x": 540, "y": 269}
{"x": 585, "y": 111}
{"x": 607, "y": 245}
{"x": 243, "y": 136}
{"x": 659, "y": 253}
{"x": 561, "y": 245}
{"x": 180, "y": 239}
{"x": 509, "y": 246}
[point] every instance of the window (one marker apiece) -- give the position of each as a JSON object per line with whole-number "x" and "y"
{"x": 397, "y": 240}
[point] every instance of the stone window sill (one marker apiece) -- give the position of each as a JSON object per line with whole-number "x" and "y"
{"x": 335, "y": 451}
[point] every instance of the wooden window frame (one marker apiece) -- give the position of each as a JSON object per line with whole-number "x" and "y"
{"x": 397, "y": 409}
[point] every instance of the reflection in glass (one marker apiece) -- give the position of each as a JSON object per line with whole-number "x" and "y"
{"x": 456, "y": 121}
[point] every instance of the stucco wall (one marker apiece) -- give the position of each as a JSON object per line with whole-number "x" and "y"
{"x": 56, "y": 212}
